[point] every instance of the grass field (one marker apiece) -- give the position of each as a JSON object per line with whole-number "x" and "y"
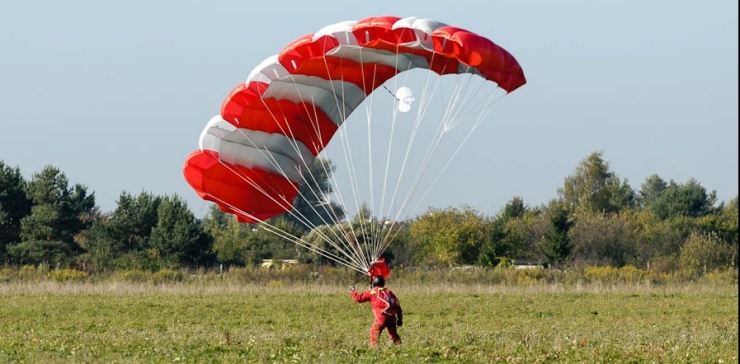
{"x": 49, "y": 322}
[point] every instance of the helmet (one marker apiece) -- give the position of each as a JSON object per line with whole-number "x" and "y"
{"x": 378, "y": 281}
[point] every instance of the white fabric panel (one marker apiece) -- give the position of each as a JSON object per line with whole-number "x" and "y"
{"x": 268, "y": 70}
{"x": 341, "y": 31}
{"x": 253, "y": 158}
{"x": 401, "y": 61}
{"x": 271, "y": 152}
{"x": 210, "y": 137}
{"x": 423, "y": 29}
{"x": 320, "y": 92}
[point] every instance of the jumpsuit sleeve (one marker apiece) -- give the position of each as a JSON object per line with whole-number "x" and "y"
{"x": 360, "y": 297}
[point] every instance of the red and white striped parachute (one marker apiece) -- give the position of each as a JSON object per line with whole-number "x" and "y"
{"x": 252, "y": 157}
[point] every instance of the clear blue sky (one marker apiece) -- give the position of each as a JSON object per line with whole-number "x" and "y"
{"x": 115, "y": 94}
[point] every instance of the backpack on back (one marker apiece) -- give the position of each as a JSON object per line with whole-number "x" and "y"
{"x": 391, "y": 301}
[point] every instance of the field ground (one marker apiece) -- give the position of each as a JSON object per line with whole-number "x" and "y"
{"x": 49, "y": 322}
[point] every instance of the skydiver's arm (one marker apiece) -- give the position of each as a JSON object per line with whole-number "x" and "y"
{"x": 360, "y": 297}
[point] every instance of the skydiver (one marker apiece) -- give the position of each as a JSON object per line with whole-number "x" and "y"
{"x": 386, "y": 309}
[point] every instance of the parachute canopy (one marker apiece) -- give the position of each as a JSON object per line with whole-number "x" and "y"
{"x": 253, "y": 156}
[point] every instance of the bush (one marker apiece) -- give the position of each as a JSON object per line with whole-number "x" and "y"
{"x": 29, "y": 273}
{"x": 167, "y": 276}
{"x": 7, "y": 274}
{"x": 66, "y": 275}
{"x": 132, "y": 276}
{"x": 704, "y": 252}
{"x": 626, "y": 274}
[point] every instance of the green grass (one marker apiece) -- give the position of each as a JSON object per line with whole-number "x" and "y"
{"x": 125, "y": 322}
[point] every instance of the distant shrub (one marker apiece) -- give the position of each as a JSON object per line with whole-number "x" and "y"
{"x": 631, "y": 274}
{"x": 66, "y": 275}
{"x": 7, "y": 274}
{"x": 167, "y": 276}
{"x": 704, "y": 252}
{"x": 28, "y": 273}
{"x": 722, "y": 276}
{"x": 626, "y": 274}
{"x": 532, "y": 275}
{"x": 132, "y": 276}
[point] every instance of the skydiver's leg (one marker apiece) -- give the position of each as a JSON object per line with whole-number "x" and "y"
{"x": 375, "y": 330}
{"x": 390, "y": 324}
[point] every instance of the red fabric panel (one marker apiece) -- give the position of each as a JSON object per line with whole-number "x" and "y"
{"x": 229, "y": 186}
{"x": 244, "y": 108}
{"x": 494, "y": 62}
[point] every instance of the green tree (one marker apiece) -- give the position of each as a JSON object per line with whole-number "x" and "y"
{"x": 450, "y": 236}
{"x": 14, "y": 206}
{"x": 503, "y": 241}
{"x": 514, "y": 209}
{"x": 178, "y": 237}
{"x": 494, "y": 248}
{"x": 690, "y": 199}
{"x": 651, "y": 190}
{"x": 96, "y": 242}
{"x": 230, "y": 237}
{"x": 131, "y": 223}
{"x": 658, "y": 242}
{"x": 602, "y": 240}
{"x": 58, "y": 214}
{"x": 120, "y": 240}
{"x": 524, "y": 236}
{"x": 593, "y": 188}
{"x": 556, "y": 247}
{"x": 324, "y": 238}
{"x": 277, "y": 240}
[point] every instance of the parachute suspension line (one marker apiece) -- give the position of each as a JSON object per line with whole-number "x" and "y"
{"x": 352, "y": 171}
{"x": 376, "y": 235}
{"x": 287, "y": 235}
{"x": 314, "y": 123}
{"x": 461, "y": 101}
{"x": 441, "y": 132}
{"x": 302, "y": 243}
{"x": 348, "y": 247}
{"x": 384, "y": 239}
{"x": 365, "y": 222}
{"x": 423, "y": 107}
{"x": 299, "y": 216}
{"x": 350, "y": 235}
{"x": 277, "y": 166}
{"x": 482, "y": 115}
{"x": 412, "y": 138}
{"x": 484, "y": 112}
{"x": 444, "y": 127}
{"x": 427, "y": 93}
{"x": 379, "y": 234}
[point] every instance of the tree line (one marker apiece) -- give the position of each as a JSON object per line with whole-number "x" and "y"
{"x": 597, "y": 219}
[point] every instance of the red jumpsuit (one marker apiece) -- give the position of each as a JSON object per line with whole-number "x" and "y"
{"x": 385, "y": 309}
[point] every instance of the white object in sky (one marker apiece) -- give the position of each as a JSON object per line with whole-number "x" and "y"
{"x": 405, "y": 99}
